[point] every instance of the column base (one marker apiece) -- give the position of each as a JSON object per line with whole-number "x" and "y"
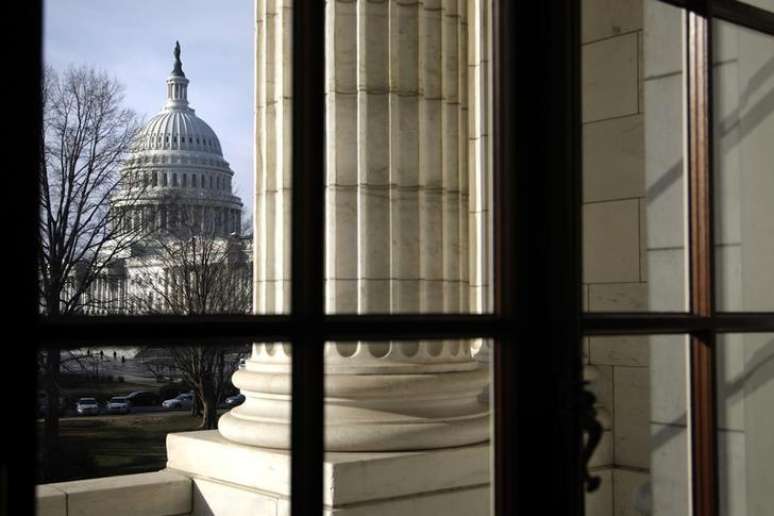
{"x": 236, "y": 479}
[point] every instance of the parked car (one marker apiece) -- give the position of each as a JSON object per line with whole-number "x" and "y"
{"x": 142, "y": 399}
{"x": 86, "y": 406}
{"x": 181, "y": 401}
{"x": 235, "y": 401}
{"x": 118, "y": 405}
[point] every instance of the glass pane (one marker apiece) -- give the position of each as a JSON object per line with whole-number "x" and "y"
{"x": 113, "y": 408}
{"x": 643, "y": 455}
{"x": 745, "y": 393}
{"x": 408, "y": 183}
{"x": 408, "y": 427}
{"x": 744, "y": 183}
{"x": 633, "y": 146}
{"x": 146, "y": 207}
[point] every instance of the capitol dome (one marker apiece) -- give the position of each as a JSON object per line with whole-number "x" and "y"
{"x": 178, "y": 129}
{"x": 175, "y": 175}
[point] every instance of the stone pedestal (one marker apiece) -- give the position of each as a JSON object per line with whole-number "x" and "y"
{"x": 378, "y": 397}
{"x": 234, "y": 479}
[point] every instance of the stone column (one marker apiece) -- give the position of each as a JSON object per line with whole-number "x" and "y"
{"x": 404, "y": 154}
{"x": 397, "y": 192}
{"x": 271, "y": 268}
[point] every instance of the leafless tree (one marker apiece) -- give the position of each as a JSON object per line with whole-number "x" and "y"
{"x": 208, "y": 369}
{"x": 194, "y": 274}
{"x": 86, "y": 134}
{"x": 195, "y": 269}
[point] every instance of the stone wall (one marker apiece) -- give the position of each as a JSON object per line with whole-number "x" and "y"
{"x": 635, "y": 256}
{"x": 614, "y": 269}
{"x": 634, "y": 253}
{"x": 744, "y": 190}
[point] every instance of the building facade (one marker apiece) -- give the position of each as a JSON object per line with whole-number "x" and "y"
{"x": 176, "y": 201}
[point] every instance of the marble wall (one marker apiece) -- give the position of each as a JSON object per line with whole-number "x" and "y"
{"x": 634, "y": 252}
{"x": 744, "y": 191}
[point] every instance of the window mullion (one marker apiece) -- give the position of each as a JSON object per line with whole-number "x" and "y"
{"x": 537, "y": 257}
{"x": 702, "y": 370}
{"x": 307, "y": 257}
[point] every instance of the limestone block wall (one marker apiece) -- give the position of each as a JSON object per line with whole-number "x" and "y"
{"x": 614, "y": 270}
{"x": 632, "y": 188}
{"x": 635, "y": 254}
{"x": 744, "y": 130}
{"x": 666, "y": 262}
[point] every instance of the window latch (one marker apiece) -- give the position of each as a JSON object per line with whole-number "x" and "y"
{"x": 592, "y": 430}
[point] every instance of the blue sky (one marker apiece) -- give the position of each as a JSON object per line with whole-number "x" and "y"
{"x": 132, "y": 40}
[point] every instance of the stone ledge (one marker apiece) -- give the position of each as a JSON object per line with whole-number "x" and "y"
{"x": 50, "y": 501}
{"x": 162, "y": 493}
{"x": 219, "y": 499}
{"x": 349, "y": 478}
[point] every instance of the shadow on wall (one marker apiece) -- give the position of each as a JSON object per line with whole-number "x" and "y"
{"x": 755, "y": 376}
{"x": 753, "y": 117}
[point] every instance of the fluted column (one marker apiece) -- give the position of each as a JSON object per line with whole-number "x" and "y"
{"x": 272, "y": 157}
{"x": 403, "y": 154}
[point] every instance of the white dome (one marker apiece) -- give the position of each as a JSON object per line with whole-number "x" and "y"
{"x": 178, "y": 129}
{"x": 177, "y": 164}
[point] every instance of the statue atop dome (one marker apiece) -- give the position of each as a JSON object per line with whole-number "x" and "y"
{"x": 178, "y": 69}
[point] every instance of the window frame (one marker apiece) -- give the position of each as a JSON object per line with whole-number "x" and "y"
{"x": 539, "y": 284}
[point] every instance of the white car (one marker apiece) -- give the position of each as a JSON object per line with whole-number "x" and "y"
{"x": 118, "y": 405}
{"x": 86, "y": 406}
{"x": 181, "y": 401}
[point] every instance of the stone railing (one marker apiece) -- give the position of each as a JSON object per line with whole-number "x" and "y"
{"x": 161, "y": 493}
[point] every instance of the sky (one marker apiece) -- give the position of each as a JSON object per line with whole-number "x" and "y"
{"x": 132, "y": 40}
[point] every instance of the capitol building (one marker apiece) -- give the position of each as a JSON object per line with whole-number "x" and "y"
{"x": 176, "y": 206}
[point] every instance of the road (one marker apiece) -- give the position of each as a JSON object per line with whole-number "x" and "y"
{"x": 158, "y": 410}
{"x": 132, "y": 371}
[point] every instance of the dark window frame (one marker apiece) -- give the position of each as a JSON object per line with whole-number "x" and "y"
{"x": 536, "y": 173}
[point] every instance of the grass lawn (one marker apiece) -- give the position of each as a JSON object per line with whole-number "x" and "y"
{"x": 112, "y": 445}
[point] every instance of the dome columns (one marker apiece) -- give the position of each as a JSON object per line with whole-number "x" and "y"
{"x": 177, "y": 93}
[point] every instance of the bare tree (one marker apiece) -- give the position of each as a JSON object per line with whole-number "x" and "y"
{"x": 194, "y": 274}
{"x": 208, "y": 370}
{"x": 193, "y": 268}
{"x": 86, "y": 134}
